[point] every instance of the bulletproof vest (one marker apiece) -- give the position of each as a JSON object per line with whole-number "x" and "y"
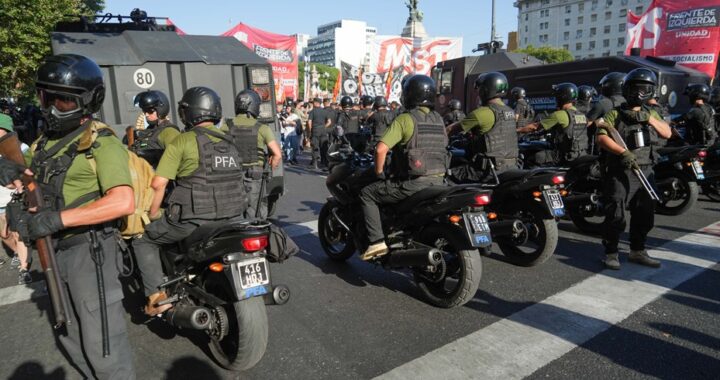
{"x": 633, "y": 132}
{"x": 583, "y": 107}
{"x": 244, "y": 140}
{"x": 572, "y": 141}
{"x": 500, "y": 143}
{"x": 382, "y": 120}
{"x": 616, "y": 100}
{"x": 702, "y": 131}
{"x": 214, "y": 190}
{"x": 50, "y": 172}
{"x": 363, "y": 115}
{"x": 525, "y": 113}
{"x": 351, "y": 121}
{"x": 147, "y": 143}
{"x": 426, "y": 153}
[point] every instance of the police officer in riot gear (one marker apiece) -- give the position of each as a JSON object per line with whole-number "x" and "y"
{"x": 151, "y": 142}
{"x": 348, "y": 118}
{"x": 366, "y": 107}
{"x": 492, "y": 128}
{"x": 611, "y": 90}
{"x": 641, "y": 130}
{"x": 585, "y": 96}
{"x": 524, "y": 113}
{"x": 247, "y": 110}
{"x": 567, "y": 124}
{"x": 699, "y": 121}
{"x": 381, "y": 118}
{"x": 84, "y": 199}
{"x": 206, "y": 162}
{"x": 456, "y": 114}
{"x": 417, "y": 136}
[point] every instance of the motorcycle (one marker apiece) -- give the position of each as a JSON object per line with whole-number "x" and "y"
{"x": 526, "y": 205}
{"x": 219, "y": 283}
{"x": 435, "y": 233}
{"x": 677, "y": 173}
{"x": 711, "y": 184}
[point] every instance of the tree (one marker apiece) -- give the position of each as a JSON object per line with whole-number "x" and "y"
{"x": 333, "y": 74}
{"x": 547, "y": 53}
{"x": 25, "y": 38}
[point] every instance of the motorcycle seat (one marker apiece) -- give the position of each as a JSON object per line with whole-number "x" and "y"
{"x": 211, "y": 229}
{"x": 430, "y": 192}
{"x": 514, "y": 175}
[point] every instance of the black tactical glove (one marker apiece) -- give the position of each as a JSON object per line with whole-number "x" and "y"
{"x": 629, "y": 160}
{"x": 9, "y": 171}
{"x": 44, "y": 223}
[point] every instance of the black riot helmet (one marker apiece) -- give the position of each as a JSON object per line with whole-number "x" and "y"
{"x": 455, "y": 105}
{"x": 380, "y": 101}
{"x": 517, "y": 93}
{"x": 248, "y": 102}
{"x": 491, "y": 85}
{"x": 715, "y": 96}
{"x": 586, "y": 93}
{"x": 199, "y": 104}
{"x": 696, "y": 91}
{"x": 67, "y": 79}
{"x": 367, "y": 100}
{"x": 565, "y": 93}
{"x": 153, "y": 100}
{"x": 639, "y": 86}
{"x": 419, "y": 90}
{"x": 346, "y": 102}
{"x": 611, "y": 83}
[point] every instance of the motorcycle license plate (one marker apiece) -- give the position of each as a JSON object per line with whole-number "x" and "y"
{"x": 698, "y": 170}
{"x": 478, "y": 230}
{"x": 554, "y": 202}
{"x": 251, "y": 277}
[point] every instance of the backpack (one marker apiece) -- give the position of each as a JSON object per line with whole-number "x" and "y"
{"x": 141, "y": 174}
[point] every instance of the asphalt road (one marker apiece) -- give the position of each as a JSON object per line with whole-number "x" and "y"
{"x": 356, "y": 321}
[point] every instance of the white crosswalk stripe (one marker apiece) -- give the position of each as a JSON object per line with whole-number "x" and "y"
{"x": 519, "y": 345}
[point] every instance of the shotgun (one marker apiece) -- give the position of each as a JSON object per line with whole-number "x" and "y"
{"x": 10, "y": 149}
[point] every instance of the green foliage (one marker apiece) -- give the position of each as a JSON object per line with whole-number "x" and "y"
{"x": 547, "y": 53}
{"x": 25, "y": 38}
{"x": 333, "y": 74}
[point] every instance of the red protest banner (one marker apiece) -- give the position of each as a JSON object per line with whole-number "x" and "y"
{"x": 278, "y": 49}
{"x": 687, "y": 32}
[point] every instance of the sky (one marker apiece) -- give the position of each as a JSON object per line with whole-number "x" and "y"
{"x": 469, "y": 19}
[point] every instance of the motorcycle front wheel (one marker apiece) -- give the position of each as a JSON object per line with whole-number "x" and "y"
{"x": 456, "y": 280}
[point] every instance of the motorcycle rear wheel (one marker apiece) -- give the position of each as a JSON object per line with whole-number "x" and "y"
{"x": 247, "y": 337}
{"x": 679, "y": 205}
{"x": 463, "y": 268}
{"x": 587, "y": 224}
{"x": 543, "y": 234}
{"x": 336, "y": 242}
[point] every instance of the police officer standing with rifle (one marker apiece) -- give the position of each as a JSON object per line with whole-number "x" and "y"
{"x": 247, "y": 109}
{"x": 86, "y": 186}
{"x": 567, "y": 124}
{"x": 611, "y": 90}
{"x": 417, "y": 136}
{"x": 151, "y": 142}
{"x": 627, "y": 135}
{"x": 206, "y": 161}
{"x": 492, "y": 128}
{"x": 699, "y": 121}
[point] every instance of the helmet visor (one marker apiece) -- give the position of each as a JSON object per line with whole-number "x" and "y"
{"x": 62, "y": 101}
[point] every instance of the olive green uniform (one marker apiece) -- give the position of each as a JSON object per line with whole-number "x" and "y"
{"x": 167, "y": 136}
{"x": 557, "y": 118}
{"x": 77, "y": 269}
{"x": 181, "y": 159}
{"x": 393, "y": 191}
{"x": 480, "y": 120}
{"x": 254, "y": 171}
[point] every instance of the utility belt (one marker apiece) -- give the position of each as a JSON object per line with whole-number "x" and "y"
{"x": 254, "y": 172}
{"x": 75, "y": 236}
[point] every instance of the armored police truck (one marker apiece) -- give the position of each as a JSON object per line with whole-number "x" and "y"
{"x": 456, "y": 77}
{"x": 137, "y": 54}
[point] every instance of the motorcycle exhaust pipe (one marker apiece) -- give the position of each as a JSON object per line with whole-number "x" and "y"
{"x": 669, "y": 183}
{"x": 505, "y": 228}
{"x": 189, "y": 317}
{"x": 414, "y": 257}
